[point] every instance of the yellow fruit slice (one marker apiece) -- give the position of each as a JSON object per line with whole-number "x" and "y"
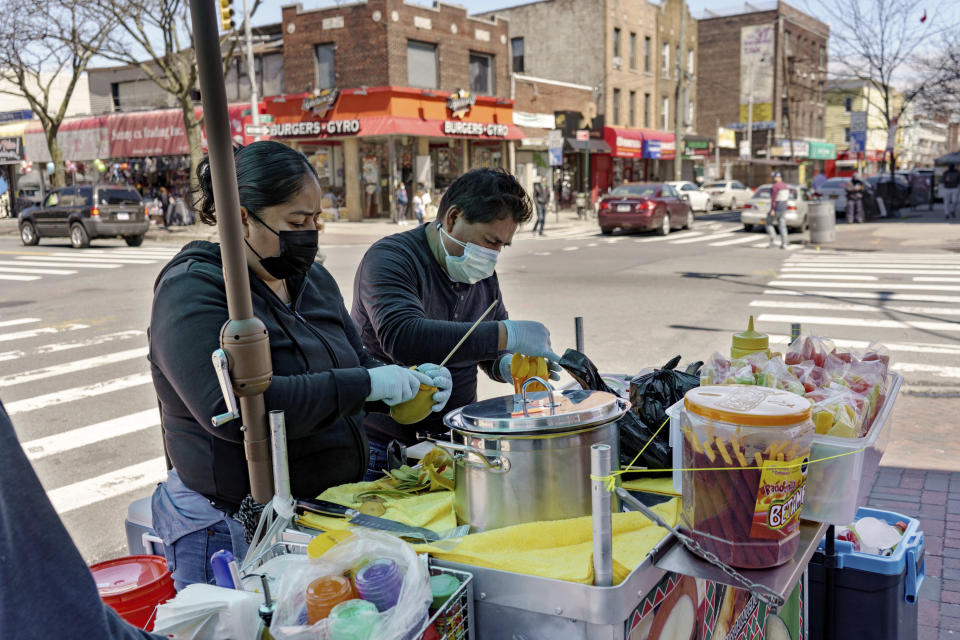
{"x": 417, "y": 408}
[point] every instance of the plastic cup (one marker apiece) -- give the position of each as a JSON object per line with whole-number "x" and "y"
{"x": 323, "y": 594}
{"x": 379, "y": 582}
{"x": 353, "y": 620}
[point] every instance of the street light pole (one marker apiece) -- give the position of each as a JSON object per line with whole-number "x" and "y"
{"x": 251, "y": 71}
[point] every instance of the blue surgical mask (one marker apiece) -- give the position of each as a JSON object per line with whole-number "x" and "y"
{"x": 477, "y": 263}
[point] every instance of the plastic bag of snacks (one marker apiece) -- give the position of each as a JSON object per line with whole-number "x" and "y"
{"x": 837, "y": 411}
{"x": 371, "y": 585}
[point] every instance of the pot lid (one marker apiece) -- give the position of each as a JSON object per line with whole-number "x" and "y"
{"x": 572, "y": 409}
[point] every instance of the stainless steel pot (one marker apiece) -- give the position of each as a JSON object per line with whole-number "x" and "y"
{"x": 527, "y": 458}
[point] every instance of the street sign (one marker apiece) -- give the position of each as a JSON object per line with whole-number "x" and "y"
{"x": 745, "y": 149}
{"x": 256, "y": 129}
{"x": 265, "y": 118}
{"x": 858, "y": 121}
{"x": 556, "y": 156}
{"x": 583, "y": 135}
{"x": 858, "y": 141}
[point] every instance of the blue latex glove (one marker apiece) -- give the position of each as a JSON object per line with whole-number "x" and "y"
{"x": 395, "y": 384}
{"x": 503, "y": 367}
{"x": 529, "y": 338}
{"x": 442, "y": 380}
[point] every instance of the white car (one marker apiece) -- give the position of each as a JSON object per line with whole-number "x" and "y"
{"x": 699, "y": 199}
{"x": 755, "y": 211}
{"x": 729, "y": 194}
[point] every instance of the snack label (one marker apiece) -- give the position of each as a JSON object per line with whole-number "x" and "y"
{"x": 776, "y": 513}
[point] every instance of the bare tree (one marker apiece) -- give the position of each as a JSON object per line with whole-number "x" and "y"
{"x": 45, "y": 47}
{"x": 156, "y": 37}
{"x": 940, "y": 93}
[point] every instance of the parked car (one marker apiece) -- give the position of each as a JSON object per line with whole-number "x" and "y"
{"x": 835, "y": 190}
{"x": 728, "y": 194}
{"x": 754, "y": 213}
{"x": 644, "y": 206}
{"x": 900, "y": 196}
{"x": 700, "y": 200}
{"x": 83, "y": 213}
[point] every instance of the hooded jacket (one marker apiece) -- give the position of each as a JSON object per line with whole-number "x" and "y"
{"x": 319, "y": 377}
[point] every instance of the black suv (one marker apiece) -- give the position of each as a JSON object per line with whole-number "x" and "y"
{"x": 86, "y": 212}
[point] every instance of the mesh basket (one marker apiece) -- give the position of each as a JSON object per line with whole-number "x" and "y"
{"x": 454, "y": 620}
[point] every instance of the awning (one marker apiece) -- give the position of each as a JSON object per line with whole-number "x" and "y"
{"x": 579, "y": 146}
{"x": 13, "y": 129}
{"x": 369, "y": 126}
{"x": 950, "y": 158}
{"x": 639, "y": 143}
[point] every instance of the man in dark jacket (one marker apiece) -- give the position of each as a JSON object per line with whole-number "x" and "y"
{"x": 47, "y": 590}
{"x": 951, "y": 191}
{"x": 854, "y": 190}
{"x": 417, "y": 293}
{"x": 540, "y": 198}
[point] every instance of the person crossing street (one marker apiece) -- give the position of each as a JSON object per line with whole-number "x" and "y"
{"x": 779, "y": 194}
{"x": 951, "y": 191}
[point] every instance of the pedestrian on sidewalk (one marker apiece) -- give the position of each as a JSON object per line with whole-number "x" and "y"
{"x": 418, "y": 203}
{"x": 818, "y": 180}
{"x": 426, "y": 199}
{"x": 402, "y": 204}
{"x": 854, "y": 190}
{"x": 165, "y": 207}
{"x": 540, "y": 197}
{"x": 951, "y": 191}
{"x": 779, "y": 194}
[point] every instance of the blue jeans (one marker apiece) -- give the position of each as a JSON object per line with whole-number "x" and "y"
{"x": 189, "y": 557}
{"x": 378, "y": 461}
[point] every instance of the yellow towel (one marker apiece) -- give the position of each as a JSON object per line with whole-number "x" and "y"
{"x": 661, "y": 486}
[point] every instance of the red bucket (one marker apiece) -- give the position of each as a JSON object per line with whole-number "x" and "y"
{"x": 133, "y": 586}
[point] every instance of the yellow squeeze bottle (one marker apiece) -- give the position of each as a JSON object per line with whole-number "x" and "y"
{"x": 749, "y": 341}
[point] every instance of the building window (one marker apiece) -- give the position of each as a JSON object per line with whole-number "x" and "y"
{"x": 689, "y": 121}
{"x": 646, "y": 109}
{"x": 819, "y": 132}
{"x": 848, "y": 104}
{"x": 633, "y": 51}
{"x": 422, "y": 64}
{"x": 823, "y": 57}
{"x": 679, "y": 63}
{"x": 820, "y": 92}
{"x": 690, "y": 61}
{"x": 633, "y": 108}
{"x": 115, "y": 94}
{"x": 787, "y": 47}
{"x": 616, "y": 43}
{"x": 646, "y": 53}
{"x": 325, "y": 78}
{"x": 481, "y": 73}
{"x": 846, "y": 134}
{"x": 616, "y": 106}
{"x": 516, "y": 49}
{"x": 666, "y": 112}
{"x": 665, "y": 60}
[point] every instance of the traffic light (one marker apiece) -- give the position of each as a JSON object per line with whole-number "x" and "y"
{"x": 226, "y": 15}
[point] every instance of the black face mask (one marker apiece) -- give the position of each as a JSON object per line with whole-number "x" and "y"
{"x": 298, "y": 249}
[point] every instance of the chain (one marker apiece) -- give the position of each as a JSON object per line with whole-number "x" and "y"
{"x": 761, "y": 592}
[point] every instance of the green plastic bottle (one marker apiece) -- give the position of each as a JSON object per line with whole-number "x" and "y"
{"x": 749, "y": 341}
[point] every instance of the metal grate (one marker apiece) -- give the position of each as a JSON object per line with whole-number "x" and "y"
{"x": 454, "y": 620}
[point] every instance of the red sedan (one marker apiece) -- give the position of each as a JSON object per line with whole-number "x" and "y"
{"x": 644, "y": 206}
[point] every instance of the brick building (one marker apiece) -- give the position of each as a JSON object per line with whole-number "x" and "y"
{"x": 383, "y": 91}
{"x": 776, "y": 60}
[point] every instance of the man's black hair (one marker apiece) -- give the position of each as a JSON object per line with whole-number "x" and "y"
{"x": 483, "y": 195}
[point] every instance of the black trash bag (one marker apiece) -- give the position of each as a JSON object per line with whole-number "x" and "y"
{"x": 651, "y": 394}
{"x": 583, "y": 371}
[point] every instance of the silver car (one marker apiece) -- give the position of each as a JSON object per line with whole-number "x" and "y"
{"x": 729, "y": 194}
{"x": 835, "y": 190}
{"x": 754, "y": 213}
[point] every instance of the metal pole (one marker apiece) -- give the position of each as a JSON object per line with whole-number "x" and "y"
{"x": 578, "y": 330}
{"x": 600, "y": 464}
{"x": 251, "y": 72}
{"x": 678, "y": 108}
{"x": 243, "y": 337}
{"x": 281, "y": 466}
{"x": 750, "y": 110}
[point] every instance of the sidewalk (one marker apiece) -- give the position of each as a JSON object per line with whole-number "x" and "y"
{"x": 914, "y": 228}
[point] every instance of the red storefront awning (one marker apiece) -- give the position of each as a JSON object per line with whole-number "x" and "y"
{"x": 634, "y": 143}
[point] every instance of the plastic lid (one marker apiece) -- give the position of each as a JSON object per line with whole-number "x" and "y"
{"x": 329, "y": 589}
{"x": 443, "y": 586}
{"x": 130, "y": 573}
{"x": 748, "y": 405}
{"x": 751, "y": 340}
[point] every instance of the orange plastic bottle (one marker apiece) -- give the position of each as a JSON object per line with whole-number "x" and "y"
{"x": 323, "y": 594}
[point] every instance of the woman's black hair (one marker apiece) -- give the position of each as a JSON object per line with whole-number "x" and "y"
{"x": 483, "y": 195}
{"x": 268, "y": 173}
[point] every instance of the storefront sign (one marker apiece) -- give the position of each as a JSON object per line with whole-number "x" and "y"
{"x": 154, "y": 133}
{"x": 314, "y": 128}
{"x": 534, "y": 120}
{"x": 651, "y": 149}
{"x": 79, "y": 139}
{"x": 823, "y": 151}
{"x": 12, "y": 116}
{"x": 321, "y": 102}
{"x": 697, "y": 147}
{"x": 758, "y": 125}
{"x": 756, "y": 71}
{"x": 490, "y": 130}
{"x": 726, "y": 138}
{"x": 801, "y": 149}
{"x": 9, "y": 150}
{"x": 460, "y": 102}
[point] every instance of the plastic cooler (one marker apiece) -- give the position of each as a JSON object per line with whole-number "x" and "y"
{"x": 134, "y": 586}
{"x": 837, "y": 486}
{"x": 875, "y": 596}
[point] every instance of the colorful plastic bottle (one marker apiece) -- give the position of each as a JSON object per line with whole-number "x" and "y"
{"x": 379, "y": 582}
{"x": 353, "y": 620}
{"x": 323, "y": 594}
{"x": 749, "y": 341}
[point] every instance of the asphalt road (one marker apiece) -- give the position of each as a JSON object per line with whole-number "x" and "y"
{"x": 73, "y": 325}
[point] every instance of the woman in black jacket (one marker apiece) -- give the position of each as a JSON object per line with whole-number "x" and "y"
{"x": 322, "y": 375}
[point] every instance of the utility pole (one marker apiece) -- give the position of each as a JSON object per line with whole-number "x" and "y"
{"x": 251, "y": 71}
{"x": 750, "y": 110}
{"x": 678, "y": 99}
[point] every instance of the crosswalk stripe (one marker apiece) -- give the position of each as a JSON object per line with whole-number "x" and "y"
{"x": 72, "y": 367}
{"x": 825, "y": 276}
{"x": 866, "y": 308}
{"x": 570, "y": 248}
{"x": 907, "y": 271}
{"x": 78, "y": 393}
{"x": 18, "y": 278}
{"x": 876, "y": 286}
{"x": 689, "y": 234}
{"x": 33, "y": 333}
{"x": 929, "y": 279}
{"x": 18, "y": 321}
{"x": 109, "y": 485}
{"x": 806, "y": 264}
{"x": 714, "y": 236}
{"x": 860, "y": 295}
{"x": 36, "y": 262}
{"x": 874, "y": 259}
{"x": 885, "y": 254}
{"x": 91, "y": 260}
{"x": 875, "y": 323}
{"x": 734, "y": 241}
{"x": 75, "y": 438}
{"x": 48, "y": 272}
{"x": 939, "y": 371}
{"x": 107, "y": 337}
{"x": 907, "y": 347}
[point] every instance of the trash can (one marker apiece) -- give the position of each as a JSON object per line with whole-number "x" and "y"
{"x": 874, "y": 596}
{"x": 823, "y": 222}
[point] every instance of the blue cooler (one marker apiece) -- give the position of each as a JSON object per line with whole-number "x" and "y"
{"x": 875, "y": 596}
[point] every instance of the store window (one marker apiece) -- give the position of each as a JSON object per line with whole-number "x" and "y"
{"x": 646, "y": 109}
{"x": 633, "y": 50}
{"x": 325, "y": 76}
{"x": 646, "y": 53}
{"x": 633, "y": 108}
{"x": 665, "y": 60}
{"x": 481, "y": 73}
{"x": 421, "y": 64}
{"x": 616, "y": 106}
{"x": 516, "y": 50}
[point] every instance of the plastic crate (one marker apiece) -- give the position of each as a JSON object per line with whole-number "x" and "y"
{"x": 874, "y": 596}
